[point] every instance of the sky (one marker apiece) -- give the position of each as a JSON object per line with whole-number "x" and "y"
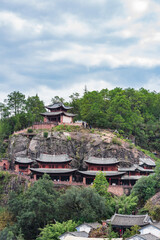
{"x": 58, "y": 47}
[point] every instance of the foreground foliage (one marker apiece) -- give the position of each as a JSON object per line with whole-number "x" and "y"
{"x": 53, "y": 231}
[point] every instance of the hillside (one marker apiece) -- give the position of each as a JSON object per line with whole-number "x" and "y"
{"x": 78, "y": 144}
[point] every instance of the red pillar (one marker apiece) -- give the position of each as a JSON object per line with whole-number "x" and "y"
{"x": 84, "y": 180}
{"x": 16, "y": 167}
{"x": 70, "y": 179}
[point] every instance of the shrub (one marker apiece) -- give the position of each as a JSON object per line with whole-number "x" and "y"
{"x": 30, "y": 130}
{"x": 45, "y": 134}
{"x": 116, "y": 141}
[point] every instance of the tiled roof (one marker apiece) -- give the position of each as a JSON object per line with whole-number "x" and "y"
{"x": 49, "y": 114}
{"x": 134, "y": 168}
{"x": 147, "y": 161}
{"x": 129, "y": 220}
{"x": 92, "y": 225}
{"x": 76, "y": 234}
{"x": 107, "y": 173}
{"x": 53, "y": 158}
{"x": 136, "y": 177}
{"x": 23, "y": 160}
{"x": 148, "y": 236}
{"x": 57, "y": 105}
{"x": 104, "y": 161}
{"x": 53, "y": 170}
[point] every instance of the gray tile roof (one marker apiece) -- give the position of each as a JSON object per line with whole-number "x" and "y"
{"x": 104, "y": 161}
{"x": 129, "y": 220}
{"x": 48, "y": 158}
{"x": 92, "y": 225}
{"x": 53, "y": 170}
{"x": 134, "y": 168}
{"x": 76, "y": 234}
{"x": 148, "y": 236}
{"x": 125, "y": 177}
{"x": 57, "y": 105}
{"x": 147, "y": 161}
{"x": 107, "y": 173}
{"x": 49, "y": 114}
{"x": 23, "y": 160}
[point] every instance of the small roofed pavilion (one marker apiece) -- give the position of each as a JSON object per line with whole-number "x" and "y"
{"x": 120, "y": 222}
{"x": 22, "y": 165}
{"x": 57, "y": 166}
{"x": 58, "y": 114}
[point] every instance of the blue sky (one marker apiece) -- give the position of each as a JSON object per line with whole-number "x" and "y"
{"x": 57, "y": 47}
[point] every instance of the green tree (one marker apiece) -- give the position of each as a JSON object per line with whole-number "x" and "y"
{"x": 35, "y": 208}
{"x": 125, "y": 204}
{"x": 144, "y": 189}
{"x": 34, "y": 106}
{"x": 131, "y": 232}
{"x": 101, "y": 184}
{"x": 15, "y": 102}
{"x": 53, "y": 231}
{"x": 81, "y": 204}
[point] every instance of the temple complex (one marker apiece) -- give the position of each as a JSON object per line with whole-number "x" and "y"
{"x": 59, "y": 169}
{"x": 58, "y": 114}
{"x": 115, "y": 174}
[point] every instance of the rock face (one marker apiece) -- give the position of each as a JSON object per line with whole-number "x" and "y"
{"x": 78, "y": 145}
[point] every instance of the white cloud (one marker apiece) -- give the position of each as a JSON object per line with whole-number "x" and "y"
{"x": 46, "y": 93}
{"x": 153, "y": 84}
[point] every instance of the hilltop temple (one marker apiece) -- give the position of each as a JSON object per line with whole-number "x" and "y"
{"x": 58, "y": 114}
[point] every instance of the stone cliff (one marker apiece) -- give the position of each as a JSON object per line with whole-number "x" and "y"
{"x": 78, "y": 145}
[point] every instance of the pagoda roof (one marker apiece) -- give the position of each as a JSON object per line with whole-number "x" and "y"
{"x": 48, "y": 158}
{"x": 147, "y": 161}
{"x": 107, "y": 173}
{"x": 134, "y": 168}
{"x": 23, "y": 160}
{"x": 136, "y": 177}
{"x": 129, "y": 220}
{"x": 101, "y": 161}
{"x": 58, "y": 105}
{"x": 53, "y": 170}
{"x": 49, "y": 114}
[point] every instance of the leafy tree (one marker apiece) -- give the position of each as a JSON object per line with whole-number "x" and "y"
{"x": 34, "y": 106}
{"x": 57, "y": 99}
{"x": 15, "y": 102}
{"x": 81, "y": 204}
{"x": 53, "y": 231}
{"x": 131, "y": 232}
{"x": 125, "y": 204}
{"x": 101, "y": 184}
{"x": 145, "y": 188}
{"x": 35, "y": 208}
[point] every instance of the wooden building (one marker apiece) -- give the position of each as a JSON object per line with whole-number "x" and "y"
{"x": 120, "y": 222}
{"x": 22, "y": 165}
{"x": 58, "y": 114}
{"x": 115, "y": 174}
{"x": 57, "y": 166}
{"x": 109, "y": 166}
{"x": 53, "y": 161}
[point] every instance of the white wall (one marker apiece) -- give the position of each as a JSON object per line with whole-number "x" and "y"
{"x": 84, "y": 228}
{"x": 67, "y": 119}
{"x": 150, "y": 229}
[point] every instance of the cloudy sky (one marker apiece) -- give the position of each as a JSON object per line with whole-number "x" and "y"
{"x": 56, "y": 47}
